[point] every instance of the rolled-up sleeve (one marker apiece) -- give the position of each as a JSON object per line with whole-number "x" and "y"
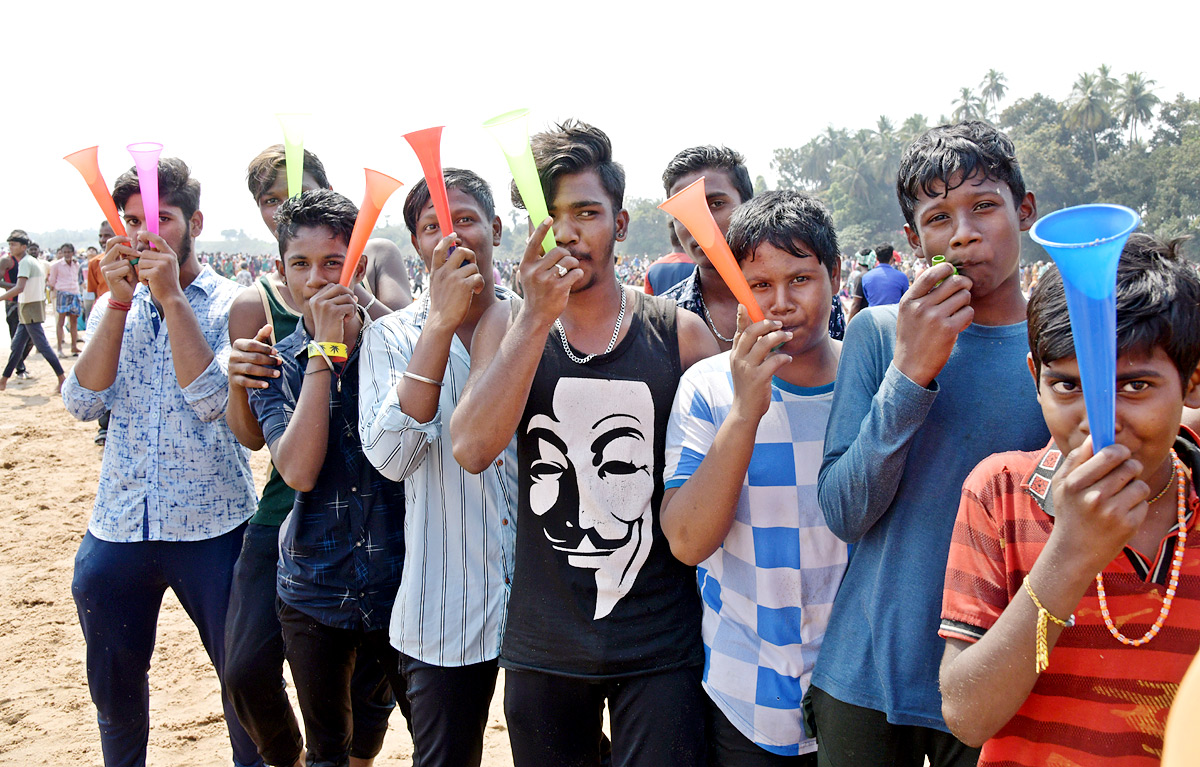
{"x": 208, "y": 395}
{"x": 84, "y": 404}
{"x": 392, "y": 440}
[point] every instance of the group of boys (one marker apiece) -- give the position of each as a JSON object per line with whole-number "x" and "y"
{"x": 735, "y": 534}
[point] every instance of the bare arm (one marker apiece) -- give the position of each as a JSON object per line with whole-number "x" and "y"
{"x": 503, "y": 363}
{"x": 16, "y": 289}
{"x": 96, "y": 369}
{"x": 697, "y": 516}
{"x": 695, "y": 342}
{"x": 387, "y": 274}
{"x": 857, "y": 304}
{"x": 1099, "y": 503}
{"x": 251, "y": 361}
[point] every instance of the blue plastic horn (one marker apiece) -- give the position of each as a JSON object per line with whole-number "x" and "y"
{"x": 1085, "y": 242}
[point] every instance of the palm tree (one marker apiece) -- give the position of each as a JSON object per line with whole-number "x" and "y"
{"x": 1135, "y": 102}
{"x": 914, "y": 126}
{"x": 993, "y": 88}
{"x": 1089, "y": 109}
{"x": 1107, "y": 83}
{"x": 968, "y": 106}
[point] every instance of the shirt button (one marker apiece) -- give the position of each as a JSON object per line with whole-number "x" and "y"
{"x": 357, "y": 544}
{"x": 504, "y": 522}
{"x": 354, "y": 489}
{"x": 506, "y": 580}
{"x": 499, "y": 461}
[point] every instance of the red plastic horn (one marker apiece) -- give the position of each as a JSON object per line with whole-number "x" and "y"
{"x": 690, "y": 206}
{"x": 428, "y": 146}
{"x": 379, "y": 188}
{"x": 86, "y": 161}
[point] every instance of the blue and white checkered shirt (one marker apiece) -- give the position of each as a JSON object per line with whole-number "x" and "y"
{"x": 768, "y": 590}
{"x": 172, "y": 470}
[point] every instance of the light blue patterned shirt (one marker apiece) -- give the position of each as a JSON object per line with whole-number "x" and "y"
{"x": 768, "y": 590}
{"x": 172, "y": 469}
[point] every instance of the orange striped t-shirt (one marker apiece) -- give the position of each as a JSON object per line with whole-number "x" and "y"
{"x": 1100, "y": 703}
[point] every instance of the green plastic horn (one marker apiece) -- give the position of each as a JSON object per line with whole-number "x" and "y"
{"x": 293, "y": 149}
{"x": 511, "y": 131}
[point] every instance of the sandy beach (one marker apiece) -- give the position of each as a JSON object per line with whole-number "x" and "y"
{"x": 48, "y": 472}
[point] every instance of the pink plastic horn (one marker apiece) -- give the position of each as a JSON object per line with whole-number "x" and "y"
{"x": 87, "y": 162}
{"x": 690, "y": 206}
{"x": 428, "y": 146}
{"x": 145, "y": 159}
{"x": 379, "y": 188}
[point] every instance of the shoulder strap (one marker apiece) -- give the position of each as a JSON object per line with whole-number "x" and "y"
{"x": 266, "y": 305}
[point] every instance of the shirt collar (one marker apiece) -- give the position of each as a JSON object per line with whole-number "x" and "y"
{"x": 1038, "y": 482}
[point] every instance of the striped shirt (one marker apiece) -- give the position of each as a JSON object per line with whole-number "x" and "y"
{"x": 460, "y": 527}
{"x": 1100, "y": 702}
{"x": 768, "y": 590}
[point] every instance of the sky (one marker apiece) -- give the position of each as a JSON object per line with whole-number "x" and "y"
{"x": 207, "y": 79}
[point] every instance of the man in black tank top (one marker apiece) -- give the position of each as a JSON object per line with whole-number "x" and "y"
{"x": 584, "y": 375}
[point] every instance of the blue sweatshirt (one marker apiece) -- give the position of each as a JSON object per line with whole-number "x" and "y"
{"x": 896, "y": 456}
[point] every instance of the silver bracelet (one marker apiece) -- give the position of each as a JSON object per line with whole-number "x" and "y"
{"x": 371, "y": 303}
{"x": 422, "y": 379}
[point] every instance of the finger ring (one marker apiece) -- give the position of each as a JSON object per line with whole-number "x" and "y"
{"x": 562, "y": 270}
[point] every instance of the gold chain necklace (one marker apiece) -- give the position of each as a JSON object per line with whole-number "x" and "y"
{"x": 1176, "y": 564}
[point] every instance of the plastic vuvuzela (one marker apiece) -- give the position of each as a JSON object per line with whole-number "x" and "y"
{"x": 293, "y": 149}
{"x": 511, "y": 131}
{"x": 145, "y": 159}
{"x": 86, "y": 161}
{"x": 1086, "y": 242}
{"x": 379, "y": 188}
{"x": 690, "y": 206}
{"x": 427, "y": 144}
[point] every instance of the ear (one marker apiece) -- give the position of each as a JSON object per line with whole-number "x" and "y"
{"x": 835, "y": 278}
{"x": 1027, "y": 212}
{"x": 622, "y": 224}
{"x": 1191, "y": 397}
{"x": 497, "y": 228}
{"x": 914, "y": 241}
{"x": 196, "y": 224}
{"x": 1033, "y": 372}
{"x": 361, "y": 270}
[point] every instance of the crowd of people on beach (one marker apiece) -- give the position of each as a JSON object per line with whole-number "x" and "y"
{"x": 859, "y": 521}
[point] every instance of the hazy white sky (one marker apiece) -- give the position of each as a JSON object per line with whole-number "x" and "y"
{"x": 205, "y": 79}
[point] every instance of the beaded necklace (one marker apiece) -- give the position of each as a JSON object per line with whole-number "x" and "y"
{"x": 1176, "y": 563}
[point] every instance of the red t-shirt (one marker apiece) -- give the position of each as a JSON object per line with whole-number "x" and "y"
{"x": 1100, "y": 703}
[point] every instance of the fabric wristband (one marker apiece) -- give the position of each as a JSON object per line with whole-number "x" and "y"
{"x": 120, "y": 306}
{"x": 333, "y": 351}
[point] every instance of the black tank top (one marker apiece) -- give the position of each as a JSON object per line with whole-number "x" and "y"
{"x": 596, "y": 590}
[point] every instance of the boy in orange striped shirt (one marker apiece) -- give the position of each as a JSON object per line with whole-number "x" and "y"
{"x": 1072, "y": 601}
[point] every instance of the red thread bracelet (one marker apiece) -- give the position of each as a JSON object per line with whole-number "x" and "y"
{"x": 119, "y": 305}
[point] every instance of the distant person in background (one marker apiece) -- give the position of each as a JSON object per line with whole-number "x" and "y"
{"x": 98, "y": 286}
{"x": 64, "y": 281}
{"x": 243, "y": 276}
{"x": 30, "y": 292}
{"x": 863, "y": 263}
{"x": 884, "y": 284}
{"x": 8, "y": 277}
{"x": 668, "y": 271}
{"x": 89, "y": 289}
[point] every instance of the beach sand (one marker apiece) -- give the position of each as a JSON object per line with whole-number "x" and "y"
{"x": 48, "y": 473}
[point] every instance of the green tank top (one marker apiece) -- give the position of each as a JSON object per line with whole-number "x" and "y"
{"x": 277, "y": 498}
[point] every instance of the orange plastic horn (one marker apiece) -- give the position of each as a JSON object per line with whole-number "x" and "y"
{"x": 87, "y": 162}
{"x": 379, "y": 188}
{"x": 428, "y": 146}
{"x": 690, "y": 206}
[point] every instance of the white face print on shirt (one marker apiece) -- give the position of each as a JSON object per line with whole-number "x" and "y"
{"x": 592, "y": 480}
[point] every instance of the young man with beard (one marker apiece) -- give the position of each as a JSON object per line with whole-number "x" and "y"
{"x": 459, "y": 531}
{"x": 253, "y": 640}
{"x": 175, "y": 487}
{"x": 726, "y": 186}
{"x": 584, "y": 374}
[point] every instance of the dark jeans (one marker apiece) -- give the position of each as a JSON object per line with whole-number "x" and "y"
{"x": 323, "y": 659}
{"x": 449, "y": 710}
{"x": 14, "y": 319}
{"x": 849, "y": 735}
{"x": 254, "y": 663}
{"x": 657, "y": 720}
{"x": 728, "y": 747}
{"x": 118, "y": 590}
{"x": 26, "y": 337}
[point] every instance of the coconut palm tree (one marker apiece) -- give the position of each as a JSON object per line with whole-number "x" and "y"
{"x": 993, "y": 88}
{"x": 1135, "y": 102}
{"x": 968, "y": 106}
{"x": 1089, "y": 110}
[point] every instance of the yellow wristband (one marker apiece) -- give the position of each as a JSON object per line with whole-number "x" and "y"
{"x": 334, "y": 351}
{"x": 1042, "y": 661}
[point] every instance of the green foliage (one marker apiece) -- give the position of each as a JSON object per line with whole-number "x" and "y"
{"x": 1112, "y": 140}
{"x": 649, "y": 232}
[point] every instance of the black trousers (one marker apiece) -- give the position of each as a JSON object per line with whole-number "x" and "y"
{"x": 849, "y": 735}
{"x": 323, "y": 660}
{"x": 254, "y": 663}
{"x": 449, "y": 710}
{"x": 728, "y": 747}
{"x": 13, "y": 317}
{"x": 27, "y": 337}
{"x": 657, "y": 720}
